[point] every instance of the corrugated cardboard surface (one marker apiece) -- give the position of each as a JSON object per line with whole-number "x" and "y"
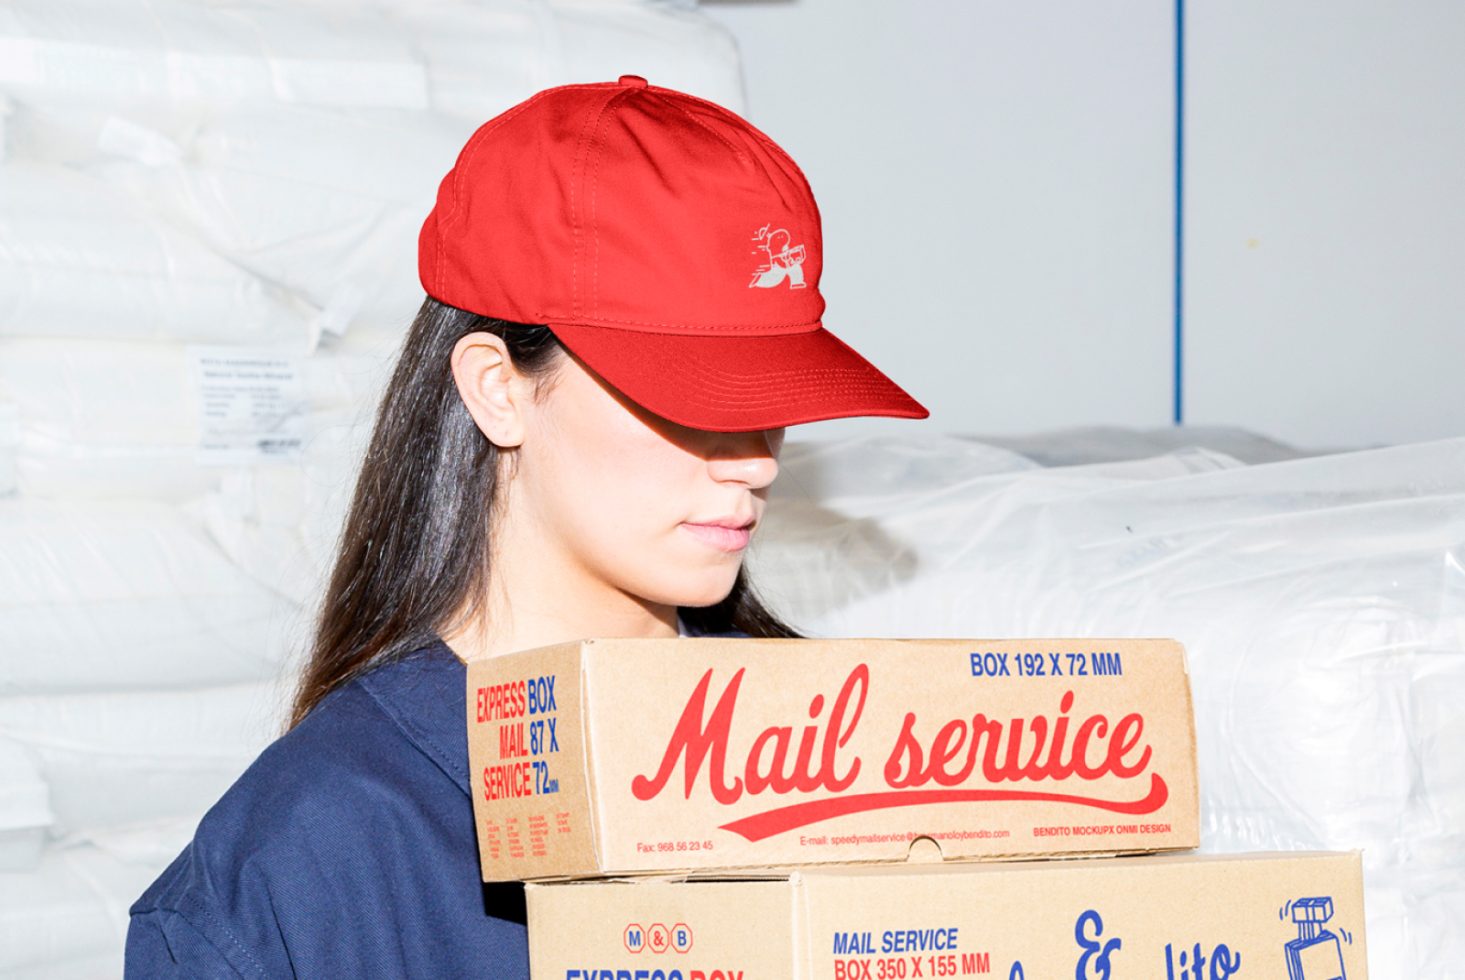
{"x": 750, "y": 928}
{"x": 1152, "y": 916}
{"x": 702, "y": 752}
{"x": 524, "y": 824}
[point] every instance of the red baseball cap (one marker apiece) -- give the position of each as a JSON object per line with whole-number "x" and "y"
{"x": 669, "y": 244}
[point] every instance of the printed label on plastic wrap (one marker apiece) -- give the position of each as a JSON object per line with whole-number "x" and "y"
{"x": 251, "y": 404}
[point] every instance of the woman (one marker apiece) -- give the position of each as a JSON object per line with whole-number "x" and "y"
{"x": 622, "y": 318}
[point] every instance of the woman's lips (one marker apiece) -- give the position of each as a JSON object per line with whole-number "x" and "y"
{"x": 725, "y": 538}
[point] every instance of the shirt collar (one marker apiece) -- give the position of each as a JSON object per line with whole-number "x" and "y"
{"x": 425, "y": 693}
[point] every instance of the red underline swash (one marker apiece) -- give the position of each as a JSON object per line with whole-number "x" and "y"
{"x": 770, "y": 822}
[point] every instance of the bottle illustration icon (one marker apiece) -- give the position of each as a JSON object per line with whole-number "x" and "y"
{"x": 1315, "y": 953}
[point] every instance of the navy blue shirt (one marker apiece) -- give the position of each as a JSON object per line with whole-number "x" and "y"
{"x": 346, "y": 849}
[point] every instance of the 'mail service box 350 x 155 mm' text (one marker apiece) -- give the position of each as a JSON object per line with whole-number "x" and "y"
{"x": 1275, "y": 916}
{"x": 627, "y": 756}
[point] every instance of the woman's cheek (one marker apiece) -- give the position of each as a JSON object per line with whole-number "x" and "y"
{"x": 628, "y": 517}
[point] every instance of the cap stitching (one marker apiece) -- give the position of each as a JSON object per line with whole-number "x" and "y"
{"x": 477, "y": 140}
{"x": 775, "y": 151}
{"x": 741, "y": 153}
{"x": 779, "y": 153}
{"x": 851, "y": 375}
{"x": 740, "y": 123}
{"x": 873, "y": 386}
{"x": 731, "y": 377}
{"x": 574, "y": 213}
{"x": 438, "y": 279}
{"x": 779, "y": 398}
{"x": 551, "y": 318}
{"x": 460, "y": 166}
{"x": 736, "y": 399}
{"x": 594, "y": 197}
{"x": 717, "y": 110}
{"x": 748, "y": 399}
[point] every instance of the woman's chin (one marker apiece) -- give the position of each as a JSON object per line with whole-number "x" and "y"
{"x": 705, "y": 586}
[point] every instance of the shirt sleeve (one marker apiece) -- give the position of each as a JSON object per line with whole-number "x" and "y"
{"x": 164, "y": 944}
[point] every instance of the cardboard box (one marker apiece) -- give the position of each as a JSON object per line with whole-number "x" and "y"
{"x": 622, "y": 756}
{"x": 1153, "y": 917}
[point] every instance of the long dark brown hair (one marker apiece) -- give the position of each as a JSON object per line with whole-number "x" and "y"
{"x": 414, "y": 550}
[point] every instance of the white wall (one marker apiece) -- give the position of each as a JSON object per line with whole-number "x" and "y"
{"x": 997, "y": 182}
{"x": 1325, "y": 151}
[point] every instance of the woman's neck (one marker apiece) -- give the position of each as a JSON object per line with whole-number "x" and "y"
{"x": 536, "y": 626}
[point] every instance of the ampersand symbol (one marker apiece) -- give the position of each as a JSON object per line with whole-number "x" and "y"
{"x": 1091, "y": 948}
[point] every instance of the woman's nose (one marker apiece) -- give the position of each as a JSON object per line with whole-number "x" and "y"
{"x": 747, "y": 457}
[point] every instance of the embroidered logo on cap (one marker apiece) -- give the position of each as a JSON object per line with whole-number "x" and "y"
{"x": 780, "y": 262}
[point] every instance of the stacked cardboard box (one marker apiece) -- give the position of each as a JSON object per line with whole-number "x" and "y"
{"x": 723, "y": 808}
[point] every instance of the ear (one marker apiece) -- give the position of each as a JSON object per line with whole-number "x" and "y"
{"x": 494, "y": 392}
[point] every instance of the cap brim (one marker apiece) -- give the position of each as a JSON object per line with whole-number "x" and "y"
{"x": 739, "y": 384}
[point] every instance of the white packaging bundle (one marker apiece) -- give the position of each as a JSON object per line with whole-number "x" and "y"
{"x": 130, "y": 594}
{"x": 327, "y": 202}
{"x": 680, "y": 48}
{"x": 7, "y": 108}
{"x": 1321, "y": 601}
{"x": 126, "y": 758}
{"x": 127, "y": 52}
{"x": 281, "y": 524}
{"x": 115, "y": 418}
{"x": 67, "y": 917}
{"x": 85, "y": 259}
{"x": 483, "y": 57}
{"x": 9, "y": 442}
{"x": 25, "y": 808}
{"x": 59, "y": 132}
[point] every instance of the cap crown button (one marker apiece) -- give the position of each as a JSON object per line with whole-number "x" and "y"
{"x": 634, "y": 81}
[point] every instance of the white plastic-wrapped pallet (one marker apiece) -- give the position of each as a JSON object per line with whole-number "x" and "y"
{"x": 210, "y": 213}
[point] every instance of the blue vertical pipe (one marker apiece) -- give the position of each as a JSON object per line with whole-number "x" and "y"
{"x": 1179, "y": 409}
